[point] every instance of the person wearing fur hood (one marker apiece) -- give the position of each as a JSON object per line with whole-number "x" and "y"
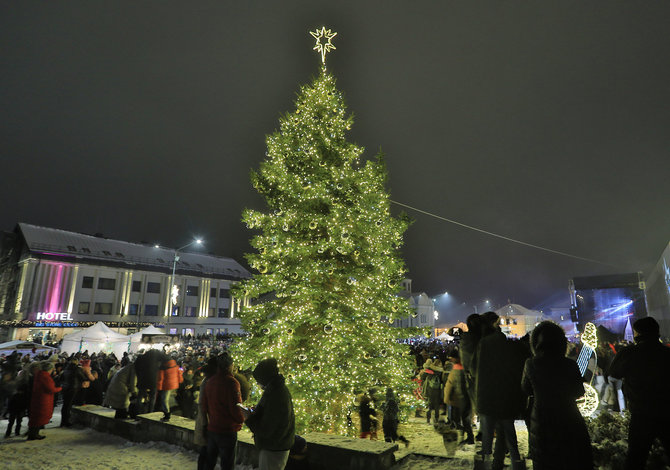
{"x": 121, "y": 387}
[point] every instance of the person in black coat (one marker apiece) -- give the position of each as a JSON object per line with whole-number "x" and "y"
{"x": 272, "y": 421}
{"x": 558, "y": 438}
{"x": 146, "y": 368}
{"x": 72, "y": 378}
{"x": 645, "y": 369}
{"x": 499, "y": 398}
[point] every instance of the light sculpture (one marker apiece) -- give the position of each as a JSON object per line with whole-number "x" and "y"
{"x": 323, "y": 48}
{"x": 588, "y": 403}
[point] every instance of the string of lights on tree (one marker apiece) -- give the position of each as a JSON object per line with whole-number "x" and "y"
{"x": 327, "y": 263}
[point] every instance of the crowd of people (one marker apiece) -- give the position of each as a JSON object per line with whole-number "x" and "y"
{"x": 498, "y": 380}
{"x": 482, "y": 374}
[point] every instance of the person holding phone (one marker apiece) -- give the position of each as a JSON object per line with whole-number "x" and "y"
{"x": 273, "y": 420}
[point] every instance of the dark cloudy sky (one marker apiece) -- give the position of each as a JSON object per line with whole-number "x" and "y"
{"x": 545, "y": 121}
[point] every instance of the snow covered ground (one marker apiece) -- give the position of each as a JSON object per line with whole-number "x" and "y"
{"x": 80, "y": 448}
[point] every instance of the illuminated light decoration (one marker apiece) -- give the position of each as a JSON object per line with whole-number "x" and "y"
{"x": 323, "y": 48}
{"x": 55, "y": 294}
{"x": 174, "y": 295}
{"x": 52, "y": 316}
{"x": 587, "y": 404}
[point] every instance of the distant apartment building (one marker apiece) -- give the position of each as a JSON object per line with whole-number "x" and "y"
{"x": 54, "y": 281}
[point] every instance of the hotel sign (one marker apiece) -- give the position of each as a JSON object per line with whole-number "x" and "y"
{"x": 49, "y": 316}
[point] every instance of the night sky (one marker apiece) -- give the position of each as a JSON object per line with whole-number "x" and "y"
{"x": 546, "y": 122}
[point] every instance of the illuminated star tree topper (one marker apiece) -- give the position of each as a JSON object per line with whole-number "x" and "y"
{"x": 321, "y": 47}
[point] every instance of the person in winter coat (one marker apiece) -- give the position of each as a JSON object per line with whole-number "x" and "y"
{"x": 201, "y": 422}
{"x": 556, "y": 424}
{"x": 169, "y": 378}
{"x": 467, "y": 350}
{"x": 644, "y": 368}
{"x": 432, "y": 386}
{"x": 368, "y": 417}
{"x": 121, "y": 387}
{"x": 20, "y": 401}
{"x": 72, "y": 379}
{"x": 273, "y": 420}
{"x": 390, "y": 420}
{"x": 94, "y": 393}
{"x": 219, "y": 402}
{"x": 499, "y": 397}
{"x": 82, "y": 394}
{"x": 456, "y": 396}
{"x": 146, "y": 368}
{"x": 42, "y": 400}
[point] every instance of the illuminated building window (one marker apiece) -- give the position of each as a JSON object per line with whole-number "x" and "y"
{"x": 106, "y": 283}
{"x": 137, "y": 286}
{"x": 103, "y": 308}
{"x": 84, "y": 308}
{"x": 87, "y": 282}
{"x": 151, "y": 310}
{"x": 133, "y": 309}
{"x": 153, "y": 287}
{"x": 190, "y": 311}
{"x": 192, "y": 290}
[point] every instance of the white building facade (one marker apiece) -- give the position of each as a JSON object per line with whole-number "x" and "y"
{"x": 56, "y": 281}
{"x": 422, "y": 305}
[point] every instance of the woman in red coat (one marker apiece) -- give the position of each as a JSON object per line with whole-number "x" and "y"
{"x": 169, "y": 378}
{"x": 42, "y": 400}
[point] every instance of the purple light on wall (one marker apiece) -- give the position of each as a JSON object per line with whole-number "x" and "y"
{"x": 55, "y": 294}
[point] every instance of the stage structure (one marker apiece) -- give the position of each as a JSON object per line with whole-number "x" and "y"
{"x": 610, "y": 301}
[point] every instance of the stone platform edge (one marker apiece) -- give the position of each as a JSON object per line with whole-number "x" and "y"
{"x": 326, "y": 451}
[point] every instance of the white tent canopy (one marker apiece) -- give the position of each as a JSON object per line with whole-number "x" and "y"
{"x": 24, "y": 347}
{"x": 97, "y": 338}
{"x": 136, "y": 338}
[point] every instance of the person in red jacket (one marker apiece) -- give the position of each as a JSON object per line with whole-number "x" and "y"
{"x": 222, "y": 415}
{"x": 42, "y": 400}
{"x": 169, "y": 378}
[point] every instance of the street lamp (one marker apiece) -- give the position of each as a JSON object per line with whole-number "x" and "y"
{"x": 172, "y": 298}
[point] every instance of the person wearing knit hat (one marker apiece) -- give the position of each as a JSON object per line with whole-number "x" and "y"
{"x": 644, "y": 369}
{"x": 273, "y": 420}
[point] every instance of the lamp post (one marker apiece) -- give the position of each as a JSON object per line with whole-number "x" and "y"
{"x": 172, "y": 300}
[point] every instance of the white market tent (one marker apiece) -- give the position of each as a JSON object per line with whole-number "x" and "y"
{"x": 136, "y": 338}
{"x": 97, "y": 338}
{"x": 24, "y": 347}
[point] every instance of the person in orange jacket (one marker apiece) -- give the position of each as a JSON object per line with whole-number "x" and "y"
{"x": 169, "y": 378}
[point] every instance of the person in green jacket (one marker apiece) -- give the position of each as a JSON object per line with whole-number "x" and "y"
{"x": 272, "y": 421}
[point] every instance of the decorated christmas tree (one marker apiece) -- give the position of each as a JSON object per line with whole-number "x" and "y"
{"x": 328, "y": 266}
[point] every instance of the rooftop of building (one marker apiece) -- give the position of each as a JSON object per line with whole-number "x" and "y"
{"x": 53, "y": 242}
